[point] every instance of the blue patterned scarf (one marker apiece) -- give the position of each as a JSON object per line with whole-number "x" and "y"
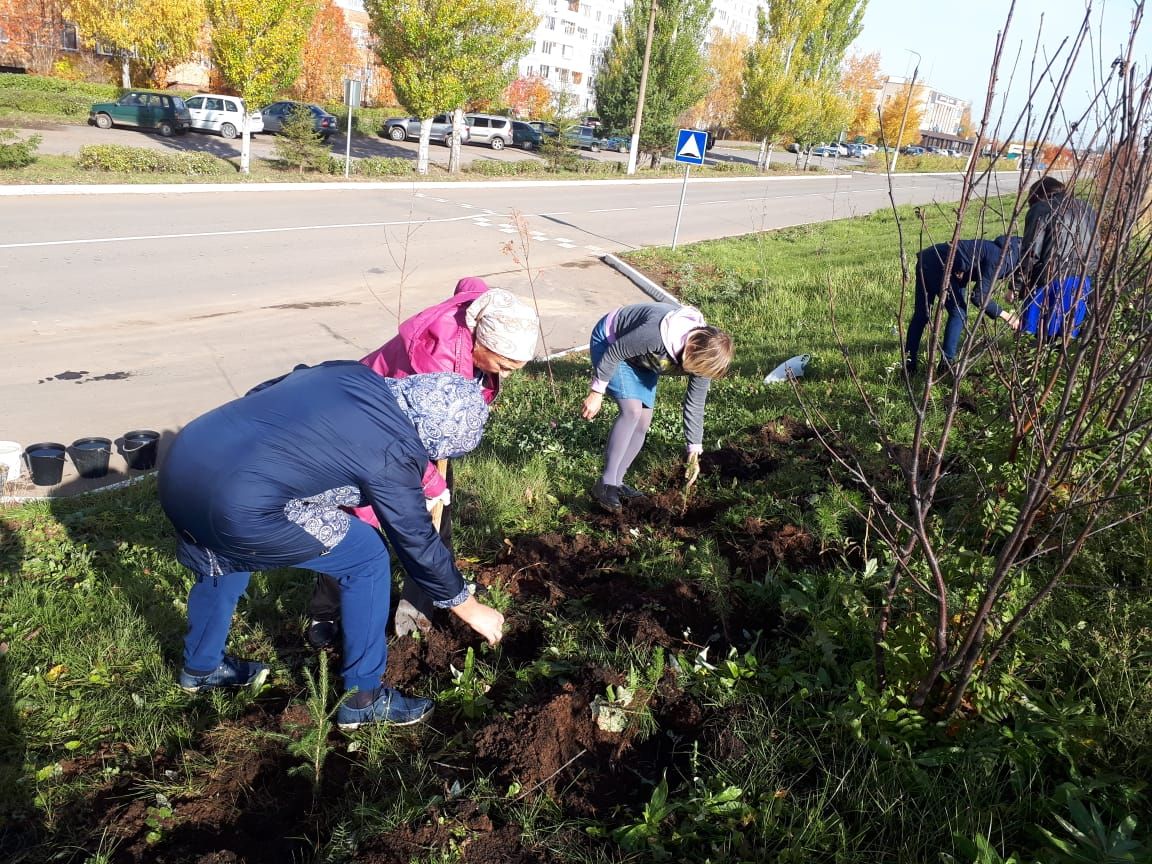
{"x": 447, "y": 410}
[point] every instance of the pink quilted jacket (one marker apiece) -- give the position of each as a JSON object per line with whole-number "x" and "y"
{"x": 435, "y": 340}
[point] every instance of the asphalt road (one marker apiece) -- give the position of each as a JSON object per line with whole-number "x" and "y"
{"x": 128, "y": 311}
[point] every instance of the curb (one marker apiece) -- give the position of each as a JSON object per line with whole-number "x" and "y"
{"x": 408, "y": 186}
{"x": 122, "y": 484}
{"x": 640, "y": 280}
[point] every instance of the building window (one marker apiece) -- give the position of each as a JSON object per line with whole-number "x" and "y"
{"x": 545, "y": 71}
{"x": 547, "y": 47}
{"x": 566, "y": 52}
{"x": 528, "y": 73}
{"x": 550, "y": 23}
{"x": 582, "y": 32}
{"x": 591, "y": 81}
{"x": 597, "y": 14}
{"x": 573, "y": 5}
{"x": 569, "y": 28}
{"x": 562, "y": 74}
{"x": 68, "y": 40}
{"x": 577, "y": 77}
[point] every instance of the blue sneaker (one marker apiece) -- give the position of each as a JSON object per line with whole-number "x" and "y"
{"x": 233, "y": 672}
{"x": 391, "y": 706}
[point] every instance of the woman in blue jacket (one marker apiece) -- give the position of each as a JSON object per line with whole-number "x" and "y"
{"x": 262, "y": 481}
{"x": 977, "y": 262}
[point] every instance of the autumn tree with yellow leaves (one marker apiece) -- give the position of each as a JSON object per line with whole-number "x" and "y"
{"x": 154, "y": 32}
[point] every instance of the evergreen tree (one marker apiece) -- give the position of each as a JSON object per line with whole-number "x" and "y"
{"x": 677, "y": 76}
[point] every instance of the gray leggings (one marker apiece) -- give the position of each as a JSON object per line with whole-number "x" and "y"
{"x": 625, "y": 440}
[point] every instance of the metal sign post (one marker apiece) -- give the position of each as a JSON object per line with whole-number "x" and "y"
{"x": 352, "y": 88}
{"x": 680, "y": 209}
{"x": 691, "y": 145}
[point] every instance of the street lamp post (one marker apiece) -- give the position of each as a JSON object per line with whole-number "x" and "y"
{"x": 907, "y": 103}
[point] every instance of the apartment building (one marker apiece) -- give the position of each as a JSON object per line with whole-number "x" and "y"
{"x": 939, "y": 112}
{"x": 573, "y": 34}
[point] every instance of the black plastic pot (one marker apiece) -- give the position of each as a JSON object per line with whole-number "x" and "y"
{"x": 139, "y": 448}
{"x": 90, "y": 456}
{"x": 45, "y": 462}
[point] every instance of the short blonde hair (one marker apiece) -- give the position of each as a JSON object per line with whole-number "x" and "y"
{"x": 707, "y": 352}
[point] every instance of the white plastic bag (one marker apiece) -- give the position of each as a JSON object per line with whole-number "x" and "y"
{"x": 795, "y": 365}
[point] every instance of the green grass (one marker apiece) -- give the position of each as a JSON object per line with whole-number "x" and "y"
{"x": 803, "y": 761}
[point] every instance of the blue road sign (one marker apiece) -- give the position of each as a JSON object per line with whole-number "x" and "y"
{"x": 691, "y": 144}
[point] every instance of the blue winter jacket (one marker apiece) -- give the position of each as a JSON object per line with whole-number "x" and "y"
{"x": 236, "y": 478}
{"x": 981, "y": 262}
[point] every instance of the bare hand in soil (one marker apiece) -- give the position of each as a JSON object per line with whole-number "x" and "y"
{"x": 483, "y": 619}
{"x": 592, "y": 405}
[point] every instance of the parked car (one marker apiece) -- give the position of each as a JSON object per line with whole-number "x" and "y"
{"x": 794, "y": 147}
{"x": 224, "y": 115}
{"x": 523, "y": 135}
{"x": 545, "y": 128}
{"x": 408, "y": 128}
{"x": 490, "y": 129}
{"x": 165, "y": 113}
{"x": 583, "y": 137}
{"x": 913, "y": 150}
{"x": 618, "y": 143}
{"x": 275, "y": 115}
{"x": 825, "y": 150}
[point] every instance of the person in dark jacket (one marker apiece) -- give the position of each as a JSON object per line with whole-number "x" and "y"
{"x": 1060, "y": 253}
{"x": 264, "y": 481}
{"x": 631, "y": 348}
{"x": 976, "y": 262}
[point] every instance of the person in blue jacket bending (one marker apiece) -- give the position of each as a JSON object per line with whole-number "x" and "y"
{"x": 979, "y": 262}
{"x": 261, "y": 482}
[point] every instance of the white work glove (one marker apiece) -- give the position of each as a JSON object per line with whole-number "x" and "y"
{"x": 444, "y": 498}
{"x": 692, "y": 469}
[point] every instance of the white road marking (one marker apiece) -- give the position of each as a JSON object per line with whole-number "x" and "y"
{"x": 237, "y": 233}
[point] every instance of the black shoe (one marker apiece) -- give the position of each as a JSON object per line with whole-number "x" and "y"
{"x": 608, "y": 497}
{"x": 322, "y": 634}
{"x": 627, "y": 493}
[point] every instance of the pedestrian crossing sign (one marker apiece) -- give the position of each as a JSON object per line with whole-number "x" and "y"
{"x": 691, "y": 144}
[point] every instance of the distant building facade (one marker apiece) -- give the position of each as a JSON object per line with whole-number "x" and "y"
{"x": 939, "y": 112}
{"x": 573, "y": 34}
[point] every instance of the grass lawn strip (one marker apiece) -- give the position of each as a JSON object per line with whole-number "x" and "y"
{"x": 684, "y": 681}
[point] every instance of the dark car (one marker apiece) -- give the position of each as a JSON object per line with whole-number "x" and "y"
{"x": 276, "y": 114}
{"x": 545, "y": 128}
{"x": 583, "y": 137}
{"x": 523, "y": 135}
{"x": 165, "y": 113}
{"x": 408, "y": 128}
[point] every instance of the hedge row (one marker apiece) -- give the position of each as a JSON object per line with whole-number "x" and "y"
{"x": 141, "y": 160}
{"x": 34, "y": 94}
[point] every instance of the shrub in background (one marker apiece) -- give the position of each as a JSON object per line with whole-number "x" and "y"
{"x": 372, "y": 166}
{"x": 16, "y": 152}
{"x": 141, "y": 160}
{"x": 495, "y": 168}
{"x": 37, "y": 94}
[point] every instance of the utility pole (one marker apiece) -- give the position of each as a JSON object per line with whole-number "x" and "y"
{"x": 633, "y": 150}
{"x": 907, "y": 103}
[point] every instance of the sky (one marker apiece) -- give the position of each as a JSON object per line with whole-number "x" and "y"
{"x": 956, "y": 40}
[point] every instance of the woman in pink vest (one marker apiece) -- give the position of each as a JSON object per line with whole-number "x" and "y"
{"x": 479, "y": 332}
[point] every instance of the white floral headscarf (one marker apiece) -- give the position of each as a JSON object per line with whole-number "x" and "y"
{"x": 504, "y": 324}
{"x": 447, "y": 410}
